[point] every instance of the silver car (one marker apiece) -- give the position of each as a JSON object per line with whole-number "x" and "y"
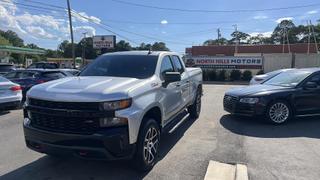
{"x": 10, "y": 94}
{"x": 259, "y": 79}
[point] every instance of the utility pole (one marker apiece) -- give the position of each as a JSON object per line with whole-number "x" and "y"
{"x": 288, "y": 41}
{"x": 71, "y": 33}
{"x": 314, "y": 36}
{"x": 219, "y": 35}
{"x": 237, "y": 41}
{"x": 283, "y": 38}
{"x": 84, "y": 47}
{"x": 309, "y": 36}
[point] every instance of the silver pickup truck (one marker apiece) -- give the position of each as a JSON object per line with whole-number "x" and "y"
{"x": 116, "y": 108}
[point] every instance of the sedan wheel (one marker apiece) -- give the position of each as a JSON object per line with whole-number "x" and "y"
{"x": 279, "y": 112}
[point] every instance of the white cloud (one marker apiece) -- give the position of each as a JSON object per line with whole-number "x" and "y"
{"x": 39, "y": 32}
{"x": 312, "y": 12}
{"x": 284, "y": 18}
{"x": 164, "y": 22}
{"x": 41, "y": 20}
{"x": 91, "y": 31}
{"x": 83, "y": 17}
{"x": 260, "y": 17}
{"x": 263, "y": 34}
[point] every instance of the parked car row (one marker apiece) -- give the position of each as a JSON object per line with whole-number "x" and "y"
{"x": 22, "y": 80}
{"x": 10, "y": 94}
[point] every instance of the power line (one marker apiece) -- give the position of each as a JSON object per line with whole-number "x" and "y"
{"x": 45, "y": 4}
{"x": 134, "y": 33}
{"x": 32, "y": 6}
{"x": 214, "y": 11}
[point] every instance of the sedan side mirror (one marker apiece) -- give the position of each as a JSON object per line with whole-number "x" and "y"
{"x": 310, "y": 85}
{"x": 170, "y": 77}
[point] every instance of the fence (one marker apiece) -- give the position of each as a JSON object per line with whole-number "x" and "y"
{"x": 290, "y": 60}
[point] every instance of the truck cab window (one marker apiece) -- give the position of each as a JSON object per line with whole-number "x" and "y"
{"x": 166, "y": 66}
{"x": 177, "y": 64}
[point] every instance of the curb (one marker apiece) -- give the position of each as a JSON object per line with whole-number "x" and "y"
{"x": 222, "y": 171}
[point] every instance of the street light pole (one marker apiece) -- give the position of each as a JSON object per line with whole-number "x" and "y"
{"x": 71, "y": 33}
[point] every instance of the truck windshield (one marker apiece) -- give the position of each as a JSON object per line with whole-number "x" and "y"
{"x": 134, "y": 66}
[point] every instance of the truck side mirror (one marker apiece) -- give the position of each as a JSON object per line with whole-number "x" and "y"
{"x": 170, "y": 77}
{"x": 310, "y": 85}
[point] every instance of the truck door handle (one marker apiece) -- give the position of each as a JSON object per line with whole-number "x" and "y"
{"x": 187, "y": 81}
{"x": 178, "y": 85}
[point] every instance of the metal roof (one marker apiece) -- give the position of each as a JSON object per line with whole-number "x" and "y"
{"x": 20, "y": 50}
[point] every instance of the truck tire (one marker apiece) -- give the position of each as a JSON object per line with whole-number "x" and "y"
{"x": 195, "y": 108}
{"x": 147, "y": 145}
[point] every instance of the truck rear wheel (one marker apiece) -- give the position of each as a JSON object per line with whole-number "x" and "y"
{"x": 147, "y": 145}
{"x": 195, "y": 108}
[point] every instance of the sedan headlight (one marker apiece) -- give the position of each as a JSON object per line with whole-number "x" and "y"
{"x": 249, "y": 100}
{"x": 116, "y": 105}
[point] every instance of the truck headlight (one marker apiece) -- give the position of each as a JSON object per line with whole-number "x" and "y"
{"x": 249, "y": 100}
{"x": 113, "y": 121}
{"x": 116, "y": 105}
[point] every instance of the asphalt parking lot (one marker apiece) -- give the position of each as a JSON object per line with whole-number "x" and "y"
{"x": 289, "y": 151}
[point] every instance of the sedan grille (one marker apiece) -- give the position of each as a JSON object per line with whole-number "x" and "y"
{"x": 229, "y": 102}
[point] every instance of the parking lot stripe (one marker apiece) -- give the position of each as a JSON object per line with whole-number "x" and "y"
{"x": 220, "y": 171}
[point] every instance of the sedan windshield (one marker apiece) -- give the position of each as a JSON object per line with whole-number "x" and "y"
{"x": 288, "y": 79}
{"x": 134, "y": 66}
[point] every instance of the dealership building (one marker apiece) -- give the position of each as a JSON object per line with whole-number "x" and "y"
{"x": 253, "y": 57}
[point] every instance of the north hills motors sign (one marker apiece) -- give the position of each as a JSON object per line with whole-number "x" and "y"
{"x": 225, "y": 62}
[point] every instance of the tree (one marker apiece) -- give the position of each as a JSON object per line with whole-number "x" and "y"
{"x": 285, "y": 26}
{"x": 123, "y": 46}
{"x": 159, "y": 46}
{"x": 12, "y": 37}
{"x": 221, "y": 41}
{"x": 4, "y": 41}
{"x": 241, "y": 36}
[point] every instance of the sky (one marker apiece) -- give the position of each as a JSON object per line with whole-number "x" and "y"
{"x": 47, "y": 26}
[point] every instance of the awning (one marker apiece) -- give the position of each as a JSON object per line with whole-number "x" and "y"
{"x": 20, "y": 50}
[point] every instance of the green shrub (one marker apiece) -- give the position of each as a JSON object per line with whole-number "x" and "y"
{"x": 247, "y": 75}
{"x": 213, "y": 75}
{"x": 260, "y": 72}
{"x": 222, "y": 75}
{"x": 235, "y": 75}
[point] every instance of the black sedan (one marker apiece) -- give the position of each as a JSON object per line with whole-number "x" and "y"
{"x": 290, "y": 94}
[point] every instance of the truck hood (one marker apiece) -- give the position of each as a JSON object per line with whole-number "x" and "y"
{"x": 84, "y": 89}
{"x": 255, "y": 90}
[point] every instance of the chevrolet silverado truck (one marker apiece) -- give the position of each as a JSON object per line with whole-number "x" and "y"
{"x": 116, "y": 108}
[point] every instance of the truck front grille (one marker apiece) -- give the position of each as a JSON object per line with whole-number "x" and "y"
{"x": 87, "y": 106}
{"x": 73, "y": 125}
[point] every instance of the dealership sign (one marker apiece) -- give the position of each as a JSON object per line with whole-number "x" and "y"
{"x": 104, "y": 42}
{"x": 226, "y": 62}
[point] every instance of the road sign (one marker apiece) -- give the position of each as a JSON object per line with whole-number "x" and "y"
{"x": 104, "y": 42}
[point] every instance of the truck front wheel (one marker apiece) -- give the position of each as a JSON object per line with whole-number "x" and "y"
{"x": 147, "y": 145}
{"x": 195, "y": 108}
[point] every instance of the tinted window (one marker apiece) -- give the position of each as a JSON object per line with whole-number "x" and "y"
{"x": 6, "y": 68}
{"x": 135, "y": 66}
{"x": 27, "y": 75}
{"x": 53, "y": 75}
{"x": 50, "y": 66}
{"x": 177, "y": 63}
{"x": 290, "y": 78}
{"x": 166, "y": 66}
{"x": 316, "y": 79}
{"x": 12, "y": 75}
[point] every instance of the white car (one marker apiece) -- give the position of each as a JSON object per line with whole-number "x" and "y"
{"x": 259, "y": 79}
{"x": 10, "y": 94}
